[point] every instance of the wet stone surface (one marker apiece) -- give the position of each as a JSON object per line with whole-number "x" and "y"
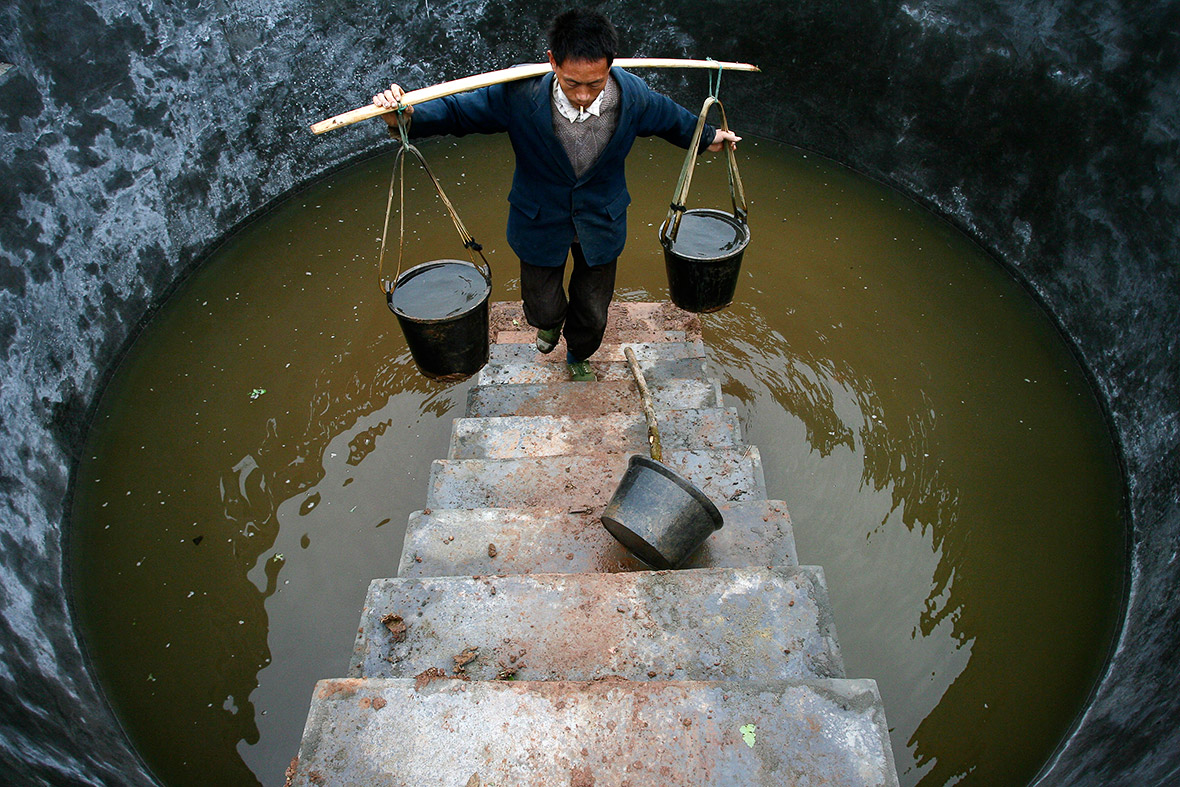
{"x": 674, "y": 733}
{"x": 702, "y": 624}
{"x": 582, "y": 481}
{"x": 756, "y": 533}
{"x": 519, "y": 436}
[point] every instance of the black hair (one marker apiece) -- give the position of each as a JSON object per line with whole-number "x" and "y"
{"x": 582, "y": 34}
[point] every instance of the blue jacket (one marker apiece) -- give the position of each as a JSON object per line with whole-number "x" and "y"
{"x": 549, "y": 205}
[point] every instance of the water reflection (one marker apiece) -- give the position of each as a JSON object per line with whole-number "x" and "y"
{"x": 362, "y": 433}
{"x": 233, "y": 493}
{"x": 902, "y": 508}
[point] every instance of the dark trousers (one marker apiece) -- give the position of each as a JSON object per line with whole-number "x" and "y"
{"x": 583, "y": 313}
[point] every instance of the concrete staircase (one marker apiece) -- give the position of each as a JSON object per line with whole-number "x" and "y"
{"x": 521, "y": 645}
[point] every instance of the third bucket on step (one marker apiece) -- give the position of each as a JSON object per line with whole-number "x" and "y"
{"x": 658, "y": 515}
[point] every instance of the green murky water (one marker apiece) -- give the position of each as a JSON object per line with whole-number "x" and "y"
{"x": 257, "y": 454}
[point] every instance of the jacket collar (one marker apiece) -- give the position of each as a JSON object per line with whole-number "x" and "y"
{"x": 543, "y": 118}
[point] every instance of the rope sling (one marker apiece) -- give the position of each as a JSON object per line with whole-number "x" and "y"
{"x": 398, "y": 179}
{"x": 704, "y": 279}
{"x": 737, "y": 193}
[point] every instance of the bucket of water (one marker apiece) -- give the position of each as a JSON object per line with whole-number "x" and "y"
{"x": 658, "y": 515}
{"x": 703, "y": 247}
{"x": 704, "y": 259}
{"x": 442, "y": 307}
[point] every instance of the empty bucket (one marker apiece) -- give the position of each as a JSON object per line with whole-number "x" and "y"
{"x": 658, "y": 515}
{"x": 442, "y": 307}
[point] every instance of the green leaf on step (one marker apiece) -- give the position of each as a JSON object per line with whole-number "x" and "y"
{"x": 748, "y": 734}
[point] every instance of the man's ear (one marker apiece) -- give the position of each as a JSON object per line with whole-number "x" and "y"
{"x": 552, "y": 62}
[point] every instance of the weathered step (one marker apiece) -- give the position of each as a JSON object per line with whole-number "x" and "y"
{"x": 547, "y": 435}
{"x": 697, "y": 624}
{"x": 507, "y": 541}
{"x": 381, "y": 733}
{"x": 623, "y": 318}
{"x": 526, "y": 373}
{"x": 522, "y": 364}
{"x": 584, "y": 482}
{"x": 586, "y": 400}
{"x": 529, "y": 337}
{"x": 644, "y": 352}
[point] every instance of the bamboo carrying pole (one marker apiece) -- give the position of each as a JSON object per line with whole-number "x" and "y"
{"x": 510, "y": 75}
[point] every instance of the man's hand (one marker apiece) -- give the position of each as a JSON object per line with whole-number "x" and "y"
{"x": 719, "y": 139}
{"x": 390, "y": 100}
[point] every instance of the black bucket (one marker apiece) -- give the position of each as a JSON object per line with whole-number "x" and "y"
{"x": 658, "y": 515}
{"x": 442, "y": 307}
{"x": 705, "y": 259}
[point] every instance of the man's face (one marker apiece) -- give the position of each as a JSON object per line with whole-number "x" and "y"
{"x": 581, "y": 80}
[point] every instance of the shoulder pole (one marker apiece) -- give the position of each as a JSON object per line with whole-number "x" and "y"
{"x": 509, "y": 75}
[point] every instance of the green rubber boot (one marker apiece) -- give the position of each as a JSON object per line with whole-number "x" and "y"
{"x": 547, "y": 340}
{"x": 580, "y": 372}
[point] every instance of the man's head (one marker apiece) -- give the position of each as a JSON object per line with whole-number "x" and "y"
{"x": 582, "y": 45}
{"x": 582, "y": 34}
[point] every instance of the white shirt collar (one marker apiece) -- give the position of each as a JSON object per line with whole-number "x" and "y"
{"x": 570, "y": 112}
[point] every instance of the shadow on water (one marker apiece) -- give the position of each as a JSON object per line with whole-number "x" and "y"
{"x": 259, "y": 451}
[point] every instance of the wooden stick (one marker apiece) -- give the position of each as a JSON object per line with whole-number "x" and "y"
{"x": 649, "y": 411}
{"x": 510, "y": 75}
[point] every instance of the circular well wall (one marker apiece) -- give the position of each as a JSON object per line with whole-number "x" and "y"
{"x": 134, "y": 141}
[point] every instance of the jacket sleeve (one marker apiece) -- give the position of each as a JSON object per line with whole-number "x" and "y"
{"x": 664, "y": 118}
{"x": 483, "y": 111}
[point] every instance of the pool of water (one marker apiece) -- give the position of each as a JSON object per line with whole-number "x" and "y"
{"x": 256, "y": 455}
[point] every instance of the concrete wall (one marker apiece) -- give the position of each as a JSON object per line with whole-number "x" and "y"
{"x": 134, "y": 135}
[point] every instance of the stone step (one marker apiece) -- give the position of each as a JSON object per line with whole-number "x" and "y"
{"x": 585, "y": 482}
{"x": 522, "y": 364}
{"x": 622, "y": 318}
{"x": 506, "y": 437}
{"x": 527, "y": 373}
{"x": 529, "y": 337}
{"x": 382, "y": 733}
{"x": 587, "y": 400}
{"x": 695, "y": 624}
{"x": 449, "y": 542}
{"x": 644, "y": 351}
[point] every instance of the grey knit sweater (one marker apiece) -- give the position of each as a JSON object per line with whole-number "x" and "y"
{"x": 584, "y": 141}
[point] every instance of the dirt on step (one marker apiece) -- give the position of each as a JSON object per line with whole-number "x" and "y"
{"x": 396, "y": 626}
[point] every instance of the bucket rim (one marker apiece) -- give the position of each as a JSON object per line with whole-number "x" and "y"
{"x": 422, "y": 266}
{"x": 682, "y": 482}
{"x": 742, "y": 227}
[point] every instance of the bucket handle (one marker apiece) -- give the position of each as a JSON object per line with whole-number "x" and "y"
{"x": 399, "y": 178}
{"x": 737, "y": 193}
{"x": 645, "y": 401}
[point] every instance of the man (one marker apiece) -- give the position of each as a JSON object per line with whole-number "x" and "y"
{"x": 571, "y": 131}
